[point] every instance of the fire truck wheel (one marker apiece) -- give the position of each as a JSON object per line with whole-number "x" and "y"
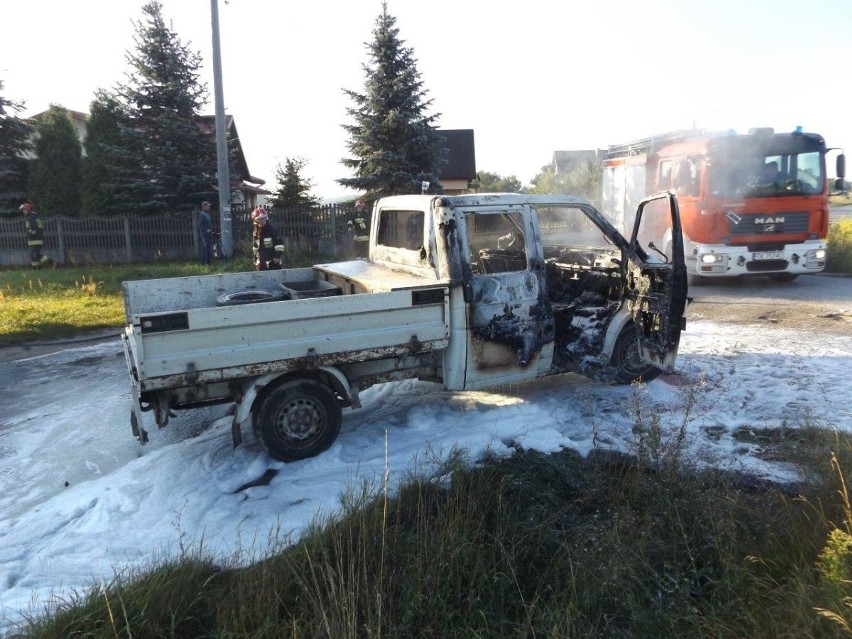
{"x": 297, "y": 420}
{"x": 625, "y": 359}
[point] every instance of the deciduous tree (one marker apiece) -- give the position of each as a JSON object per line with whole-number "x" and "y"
{"x": 496, "y": 183}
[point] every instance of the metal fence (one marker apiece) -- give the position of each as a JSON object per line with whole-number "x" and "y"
{"x": 319, "y": 232}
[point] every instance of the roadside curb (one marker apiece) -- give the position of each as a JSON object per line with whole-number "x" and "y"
{"x": 24, "y": 350}
{"x": 74, "y": 339}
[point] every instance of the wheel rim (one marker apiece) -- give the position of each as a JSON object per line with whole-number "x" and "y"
{"x": 628, "y": 356}
{"x": 300, "y": 420}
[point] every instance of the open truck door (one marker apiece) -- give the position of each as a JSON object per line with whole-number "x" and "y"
{"x": 656, "y": 279}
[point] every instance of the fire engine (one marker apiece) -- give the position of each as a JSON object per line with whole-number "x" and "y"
{"x": 750, "y": 204}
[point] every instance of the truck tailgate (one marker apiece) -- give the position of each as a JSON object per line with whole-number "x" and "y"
{"x": 178, "y": 348}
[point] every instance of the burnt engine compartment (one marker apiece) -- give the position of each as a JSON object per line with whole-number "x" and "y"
{"x": 584, "y": 286}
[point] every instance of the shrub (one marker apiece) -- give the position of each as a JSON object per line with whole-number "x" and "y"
{"x": 840, "y": 247}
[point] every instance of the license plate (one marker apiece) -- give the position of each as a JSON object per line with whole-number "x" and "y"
{"x": 769, "y": 255}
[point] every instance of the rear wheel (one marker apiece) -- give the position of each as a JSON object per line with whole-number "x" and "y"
{"x": 297, "y": 420}
{"x": 626, "y": 361}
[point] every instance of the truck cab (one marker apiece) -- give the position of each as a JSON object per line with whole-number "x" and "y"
{"x": 537, "y": 284}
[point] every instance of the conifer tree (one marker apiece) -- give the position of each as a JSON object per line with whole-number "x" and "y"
{"x": 14, "y": 143}
{"x": 393, "y": 143}
{"x": 55, "y": 177}
{"x": 293, "y": 188}
{"x": 102, "y": 144}
{"x": 167, "y": 163}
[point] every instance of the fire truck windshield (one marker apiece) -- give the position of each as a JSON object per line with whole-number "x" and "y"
{"x": 766, "y": 175}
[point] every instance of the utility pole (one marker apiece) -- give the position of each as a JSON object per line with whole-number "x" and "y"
{"x": 221, "y": 139}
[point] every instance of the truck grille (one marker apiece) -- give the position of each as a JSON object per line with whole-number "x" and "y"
{"x": 769, "y": 224}
{"x": 767, "y": 265}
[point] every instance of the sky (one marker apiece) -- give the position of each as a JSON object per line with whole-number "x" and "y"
{"x": 79, "y": 504}
{"x": 529, "y": 78}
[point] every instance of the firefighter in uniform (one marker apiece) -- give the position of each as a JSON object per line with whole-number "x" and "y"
{"x": 35, "y": 236}
{"x": 267, "y": 244}
{"x": 361, "y": 230}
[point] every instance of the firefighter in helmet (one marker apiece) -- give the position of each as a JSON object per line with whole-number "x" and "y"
{"x": 361, "y": 229}
{"x": 267, "y": 244}
{"x": 35, "y": 236}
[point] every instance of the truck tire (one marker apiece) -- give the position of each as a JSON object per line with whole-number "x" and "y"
{"x": 249, "y": 297}
{"x": 625, "y": 359}
{"x": 297, "y": 420}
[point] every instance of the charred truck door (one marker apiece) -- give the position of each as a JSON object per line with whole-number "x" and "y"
{"x": 656, "y": 279}
{"x": 510, "y": 321}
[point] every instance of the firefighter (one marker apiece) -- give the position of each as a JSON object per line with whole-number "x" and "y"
{"x": 267, "y": 244}
{"x": 35, "y": 236}
{"x": 361, "y": 230}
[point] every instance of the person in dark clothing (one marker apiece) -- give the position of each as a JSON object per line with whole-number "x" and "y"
{"x": 35, "y": 236}
{"x": 361, "y": 229}
{"x": 205, "y": 233}
{"x": 267, "y": 244}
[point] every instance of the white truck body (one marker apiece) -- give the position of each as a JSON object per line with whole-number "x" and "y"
{"x": 439, "y": 299}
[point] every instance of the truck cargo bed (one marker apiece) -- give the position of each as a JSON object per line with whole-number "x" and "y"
{"x": 178, "y": 336}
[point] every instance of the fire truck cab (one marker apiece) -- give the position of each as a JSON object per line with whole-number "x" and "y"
{"x": 750, "y": 204}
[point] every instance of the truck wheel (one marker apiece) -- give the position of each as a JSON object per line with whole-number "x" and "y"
{"x": 625, "y": 359}
{"x": 297, "y": 420}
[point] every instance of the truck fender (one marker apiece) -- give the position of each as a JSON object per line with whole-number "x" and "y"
{"x": 621, "y": 319}
{"x": 255, "y": 387}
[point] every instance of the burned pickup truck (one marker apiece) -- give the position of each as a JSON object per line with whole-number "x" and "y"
{"x": 468, "y": 291}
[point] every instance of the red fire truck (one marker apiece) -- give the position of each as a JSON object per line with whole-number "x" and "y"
{"x": 750, "y": 204}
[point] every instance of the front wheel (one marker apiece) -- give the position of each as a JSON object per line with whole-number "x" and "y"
{"x": 626, "y": 361}
{"x": 297, "y": 420}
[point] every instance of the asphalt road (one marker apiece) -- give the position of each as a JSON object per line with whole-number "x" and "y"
{"x": 820, "y": 303}
{"x": 840, "y": 213}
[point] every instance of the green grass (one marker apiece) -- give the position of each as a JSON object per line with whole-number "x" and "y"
{"x": 558, "y": 545}
{"x": 51, "y": 303}
{"x": 840, "y": 247}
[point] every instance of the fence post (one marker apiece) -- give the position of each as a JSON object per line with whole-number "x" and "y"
{"x": 128, "y": 250}
{"x": 60, "y": 240}
{"x": 333, "y": 211}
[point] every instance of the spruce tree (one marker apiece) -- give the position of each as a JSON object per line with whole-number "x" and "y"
{"x": 293, "y": 188}
{"x": 103, "y": 143}
{"x": 394, "y": 145}
{"x": 167, "y": 163}
{"x": 55, "y": 177}
{"x": 14, "y": 143}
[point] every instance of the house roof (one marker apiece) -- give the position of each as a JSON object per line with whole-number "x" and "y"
{"x": 207, "y": 123}
{"x": 461, "y": 160}
{"x": 77, "y": 116}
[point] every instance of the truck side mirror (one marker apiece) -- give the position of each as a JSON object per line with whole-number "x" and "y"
{"x": 841, "y": 166}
